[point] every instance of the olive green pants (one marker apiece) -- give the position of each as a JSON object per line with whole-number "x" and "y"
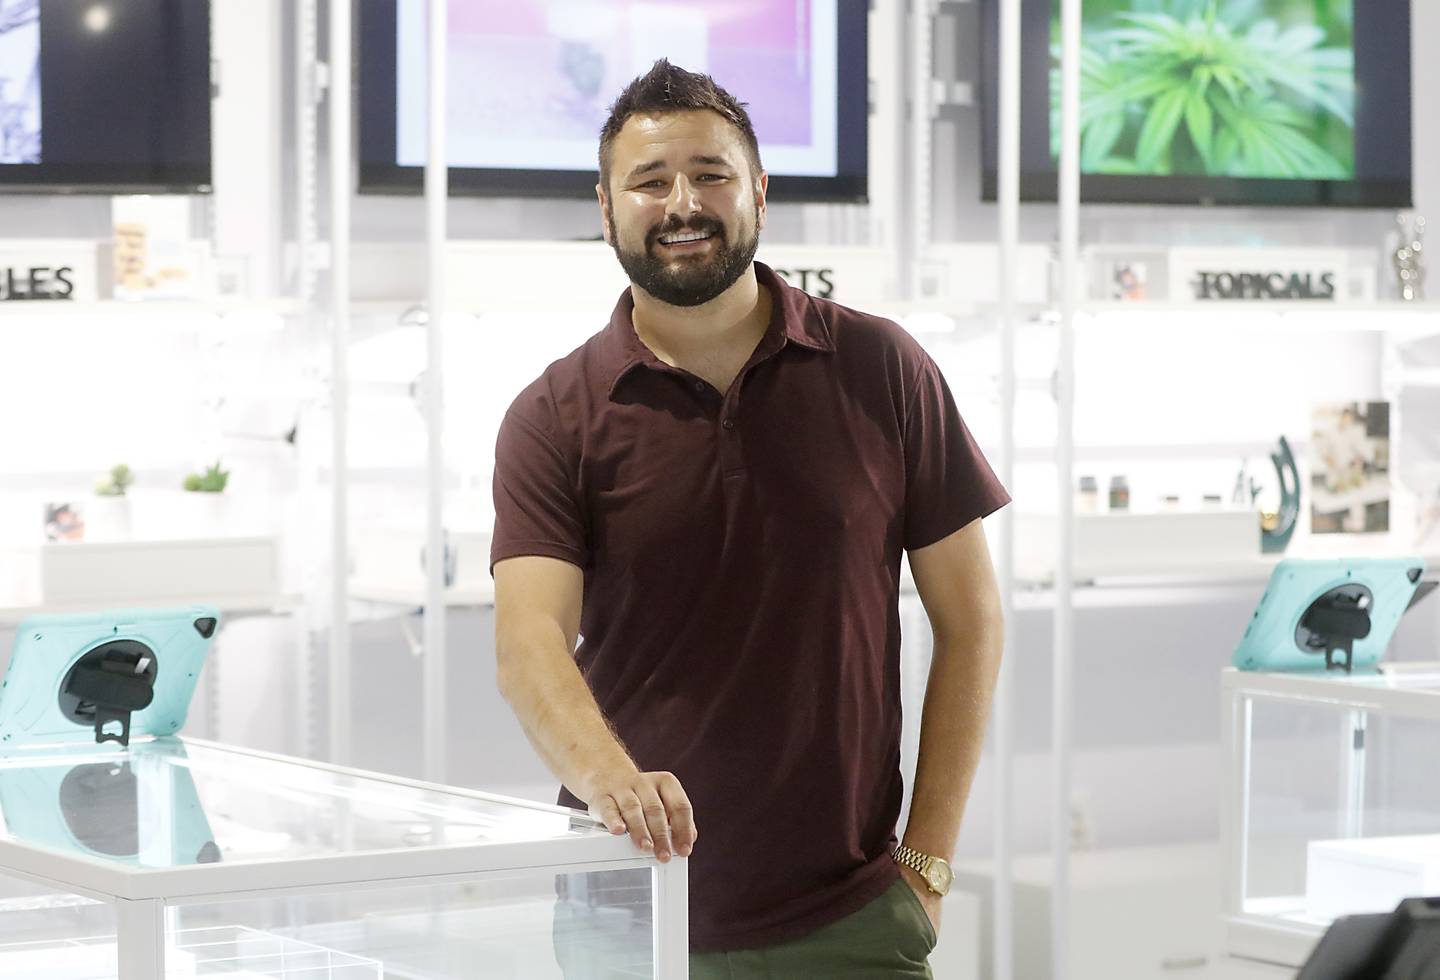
{"x": 890, "y": 938}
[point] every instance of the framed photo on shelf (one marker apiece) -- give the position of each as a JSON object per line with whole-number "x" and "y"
{"x": 64, "y": 521}
{"x": 1350, "y": 468}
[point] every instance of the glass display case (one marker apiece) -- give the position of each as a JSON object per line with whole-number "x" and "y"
{"x": 1330, "y": 802}
{"x": 182, "y": 858}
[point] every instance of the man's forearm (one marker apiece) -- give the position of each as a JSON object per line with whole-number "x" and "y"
{"x": 952, "y": 729}
{"x": 538, "y": 677}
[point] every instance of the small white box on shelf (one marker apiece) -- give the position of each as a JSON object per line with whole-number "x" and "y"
{"x": 111, "y": 573}
{"x": 1125, "y": 544}
{"x": 1370, "y": 874}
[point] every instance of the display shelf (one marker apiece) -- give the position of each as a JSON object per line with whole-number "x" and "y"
{"x": 157, "y": 309}
{"x": 480, "y": 594}
{"x": 1159, "y": 572}
{"x": 483, "y": 594}
{"x": 1166, "y": 451}
{"x": 1294, "y": 309}
{"x": 278, "y": 604}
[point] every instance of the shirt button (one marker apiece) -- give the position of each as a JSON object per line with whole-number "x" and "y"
{"x": 700, "y": 386}
{"x": 729, "y": 424}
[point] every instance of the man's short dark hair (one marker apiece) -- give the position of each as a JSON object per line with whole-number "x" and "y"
{"x": 666, "y": 88}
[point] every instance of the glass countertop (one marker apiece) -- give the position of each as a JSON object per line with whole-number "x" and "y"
{"x": 168, "y": 803}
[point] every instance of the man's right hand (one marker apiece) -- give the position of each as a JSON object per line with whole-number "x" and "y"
{"x": 651, "y": 806}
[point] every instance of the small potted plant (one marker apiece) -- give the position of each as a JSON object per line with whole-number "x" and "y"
{"x": 206, "y": 490}
{"x": 109, "y": 514}
{"x": 213, "y": 480}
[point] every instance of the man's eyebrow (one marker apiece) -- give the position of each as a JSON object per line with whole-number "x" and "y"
{"x": 707, "y": 161}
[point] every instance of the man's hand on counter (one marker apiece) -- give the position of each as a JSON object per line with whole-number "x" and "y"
{"x": 651, "y": 806}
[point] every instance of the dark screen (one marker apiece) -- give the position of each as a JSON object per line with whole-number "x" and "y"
{"x": 124, "y": 97}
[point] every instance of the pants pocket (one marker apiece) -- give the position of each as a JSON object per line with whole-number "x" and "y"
{"x": 915, "y": 910}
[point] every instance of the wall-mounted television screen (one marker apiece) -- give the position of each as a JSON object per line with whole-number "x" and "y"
{"x": 530, "y": 83}
{"x": 1226, "y": 102}
{"x": 105, "y": 96}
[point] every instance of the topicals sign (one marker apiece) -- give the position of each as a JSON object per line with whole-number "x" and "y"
{"x": 1259, "y": 275}
{"x": 50, "y": 271}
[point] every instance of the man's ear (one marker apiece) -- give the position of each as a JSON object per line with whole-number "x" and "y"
{"x": 761, "y": 187}
{"x": 604, "y": 221}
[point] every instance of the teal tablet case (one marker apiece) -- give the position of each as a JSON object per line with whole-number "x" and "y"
{"x": 34, "y": 708}
{"x": 1309, "y": 607}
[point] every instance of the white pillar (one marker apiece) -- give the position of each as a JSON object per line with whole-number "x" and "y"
{"x": 436, "y": 193}
{"x": 1064, "y": 622}
{"x": 1008, "y": 195}
{"x": 340, "y": 192}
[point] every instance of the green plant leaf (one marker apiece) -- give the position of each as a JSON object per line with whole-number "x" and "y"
{"x": 1200, "y": 123}
{"x": 1160, "y": 125}
{"x": 1119, "y": 165}
{"x": 1227, "y": 147}
{"x": 1099, "y": 139}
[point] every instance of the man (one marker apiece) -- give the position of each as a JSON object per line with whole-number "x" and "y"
{"x": 715, "y": 491}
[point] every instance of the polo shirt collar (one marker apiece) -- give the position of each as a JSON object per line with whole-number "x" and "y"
{"x": 793, "y": 320}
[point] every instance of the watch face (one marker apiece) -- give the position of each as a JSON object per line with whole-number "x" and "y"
{"x": 939, "y": 876}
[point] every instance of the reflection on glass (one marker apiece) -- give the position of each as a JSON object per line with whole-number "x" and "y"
{"x": 138, "y": 807}
{"x": 165, "y": 803}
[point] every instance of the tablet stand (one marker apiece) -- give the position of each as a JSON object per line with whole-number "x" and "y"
{"x": 1334, "y": 622}
{"x": 107, "y": 685}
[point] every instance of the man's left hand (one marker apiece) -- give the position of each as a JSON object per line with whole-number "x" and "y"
{"x": 929, "y": 899}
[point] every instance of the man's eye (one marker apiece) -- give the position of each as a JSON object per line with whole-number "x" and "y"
{"x": 648, "y": 184}
{"x": 711, "y": 177}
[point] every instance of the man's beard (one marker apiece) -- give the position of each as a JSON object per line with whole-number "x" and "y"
{"x": 689, "y": 283}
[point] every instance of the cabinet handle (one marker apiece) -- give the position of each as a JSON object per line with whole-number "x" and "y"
{"x": 1183, "y": 962}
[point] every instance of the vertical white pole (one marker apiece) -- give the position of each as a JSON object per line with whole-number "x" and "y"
{"x": 1064, "y": 639}
{"x": 1003, "y": 942}
{"x": 671, "y": 886}
{"x": 140, "y": 938}
{"x": 307, "y": 97}
{"x": 340, "y": 190}
{"x": 921, "y": 100}
{"x": 436, "y": 193}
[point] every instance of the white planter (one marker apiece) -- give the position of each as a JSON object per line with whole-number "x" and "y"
{"x": 203, "y": 514}
{"x": 108, "y": 519}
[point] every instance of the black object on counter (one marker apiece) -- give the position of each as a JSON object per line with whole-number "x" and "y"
{"x": 1399, "y": 945}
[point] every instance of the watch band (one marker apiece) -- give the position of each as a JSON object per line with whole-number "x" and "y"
{"x": 912, "y": 859}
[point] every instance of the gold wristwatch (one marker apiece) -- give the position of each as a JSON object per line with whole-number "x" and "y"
{"x": 935, "y": 870}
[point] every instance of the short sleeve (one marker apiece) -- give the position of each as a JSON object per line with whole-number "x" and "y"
{"x": 537, "y": 510}
{"x": 948, "y": 482}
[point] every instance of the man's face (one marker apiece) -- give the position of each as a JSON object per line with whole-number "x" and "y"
{"x": 682, "y": 211}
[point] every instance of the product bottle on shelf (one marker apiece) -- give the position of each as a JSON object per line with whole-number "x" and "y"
{"x": 1119, "y": 493}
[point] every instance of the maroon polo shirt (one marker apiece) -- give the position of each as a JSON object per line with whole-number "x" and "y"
{"x": 741, "y": 556}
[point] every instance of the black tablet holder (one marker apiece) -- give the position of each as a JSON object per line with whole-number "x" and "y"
{"x": 107, "y": 685}
{"x": 1399, "y": 945}
{"x": 1333, "y": 623}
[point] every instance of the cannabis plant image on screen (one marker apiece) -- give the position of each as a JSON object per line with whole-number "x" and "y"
{"x": 1215, "y": 88}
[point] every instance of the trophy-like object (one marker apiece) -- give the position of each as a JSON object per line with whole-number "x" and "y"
{"x": 1409, "y": 258}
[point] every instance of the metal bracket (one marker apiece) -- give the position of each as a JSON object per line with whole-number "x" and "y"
{"x": 949, "y": 93}
{"x": 318, "y": 82}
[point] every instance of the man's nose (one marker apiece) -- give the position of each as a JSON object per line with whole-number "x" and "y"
{"x": 683, "y": 199}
